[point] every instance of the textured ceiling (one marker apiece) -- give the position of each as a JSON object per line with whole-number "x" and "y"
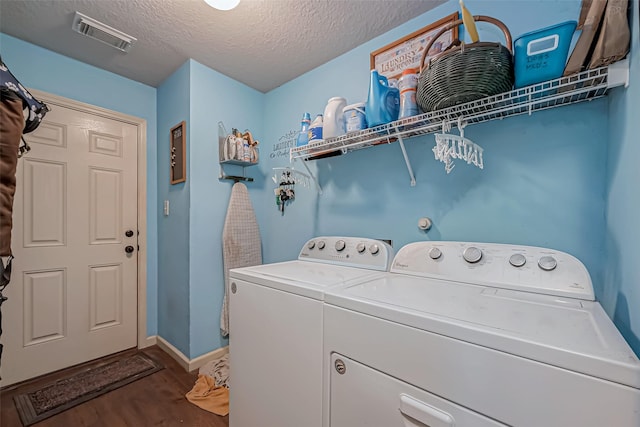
{"x": 262, "y": 43}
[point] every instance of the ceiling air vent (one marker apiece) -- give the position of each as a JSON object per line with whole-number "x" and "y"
{"x": 101, "y": 32}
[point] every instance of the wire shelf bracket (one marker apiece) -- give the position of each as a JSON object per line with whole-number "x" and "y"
{"x": 619, "y": 74}
{"x": 313, "y": 178}
{"x": 406, "y": 158}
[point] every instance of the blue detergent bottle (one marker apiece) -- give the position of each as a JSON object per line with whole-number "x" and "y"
{"x": 303, "y": 135}
{"x": 383, "y": 102}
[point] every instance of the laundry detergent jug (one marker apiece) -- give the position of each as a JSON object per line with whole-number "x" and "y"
{"x": 333, "y": 120}
{"x": 383, "y": 103}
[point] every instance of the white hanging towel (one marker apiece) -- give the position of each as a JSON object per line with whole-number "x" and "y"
{"x": 241, "y": 246}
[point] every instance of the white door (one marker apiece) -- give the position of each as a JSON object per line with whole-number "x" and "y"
{"x": 73, "y": 291}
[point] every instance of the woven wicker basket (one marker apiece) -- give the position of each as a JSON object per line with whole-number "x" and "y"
{"x": 466, "y": 72}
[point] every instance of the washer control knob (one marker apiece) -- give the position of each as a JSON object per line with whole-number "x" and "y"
{"x": 472, "y": 254}
{"x": 517, "y": 260}
{"x": 311, "y": 244}
{"x": 361, "y": 247}
{"x": 340, "y": 245}
{"x": 547, "y": 263}
{"x": 374, "y": 249}
{"x": 435, "y": 253}
{"x": 321, "y": 244}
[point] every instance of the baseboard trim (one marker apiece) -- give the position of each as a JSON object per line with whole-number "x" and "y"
{"x": 148, "y": 342}
{"x": 187, "y": 364}
{"x": 174, "y": 353}
{"x": 207, "y": 357}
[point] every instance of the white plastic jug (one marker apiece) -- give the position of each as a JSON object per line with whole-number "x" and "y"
{"x": 333, "y": 118}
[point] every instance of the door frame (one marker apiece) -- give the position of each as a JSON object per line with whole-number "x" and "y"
{"x": 141, "y": 125}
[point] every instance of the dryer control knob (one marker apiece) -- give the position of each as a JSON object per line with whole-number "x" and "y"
{"x": 435, "y": 253}
{"x": 311, "y": 244}
{"x": 374, "y": 249}
{"x": 340, "y": 245}
{"x": 517, "y": 260}
{"x": 472, "y": 254}
{"x": 547, "y": 263}
{"x": 361, "y": 247}
{"x": 321, "y": 244}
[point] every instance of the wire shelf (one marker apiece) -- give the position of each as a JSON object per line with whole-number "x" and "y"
{"x": 568, "y": 90}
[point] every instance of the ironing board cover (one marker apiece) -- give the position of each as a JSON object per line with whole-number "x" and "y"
{"x": 241, "y": 245}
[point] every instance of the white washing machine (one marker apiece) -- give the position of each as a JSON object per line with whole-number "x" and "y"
{"x": 275, "y": 341}
{"x": 474, "y": 334}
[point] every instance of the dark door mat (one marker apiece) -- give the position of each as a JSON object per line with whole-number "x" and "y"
{"x": 58, "y": 396}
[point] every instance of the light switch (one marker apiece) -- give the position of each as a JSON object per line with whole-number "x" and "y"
{"x": 166, "y": 208}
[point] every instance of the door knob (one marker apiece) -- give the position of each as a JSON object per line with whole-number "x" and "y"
{"x": 128, "y": 233}
{"x": 128, "y": 249}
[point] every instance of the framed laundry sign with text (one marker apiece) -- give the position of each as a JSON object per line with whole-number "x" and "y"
{"x": 395, "y": 57}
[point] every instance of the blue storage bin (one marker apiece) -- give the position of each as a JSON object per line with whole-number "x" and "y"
{"x": 542, "y": 54}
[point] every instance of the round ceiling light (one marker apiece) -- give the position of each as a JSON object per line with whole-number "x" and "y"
{"x": 223, "y": 4}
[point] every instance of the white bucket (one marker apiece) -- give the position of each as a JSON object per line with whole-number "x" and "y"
{"x": 355, "y": 118}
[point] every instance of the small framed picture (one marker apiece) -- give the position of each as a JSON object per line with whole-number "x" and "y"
{"x": 395, "y": 57}
{"x": 178, "y": 144}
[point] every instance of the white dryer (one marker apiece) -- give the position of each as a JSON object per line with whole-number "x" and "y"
{"x": 474, "y": 334}
{"x": 275, "y": 335}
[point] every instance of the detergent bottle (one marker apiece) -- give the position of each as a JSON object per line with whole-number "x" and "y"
{"x": 333, "y": 119}
{"x": 383, "y": 103}
{"x": 303, "y": 135}
{"x": 408, "y": 85}
{"x": 315, "y": 130}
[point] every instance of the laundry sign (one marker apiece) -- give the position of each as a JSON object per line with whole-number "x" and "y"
{"x": 285, "y": 143}
{"x": 406, "y": 53}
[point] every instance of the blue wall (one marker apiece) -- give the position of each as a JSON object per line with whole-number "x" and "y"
{"x": 214, "y": 98}
{"x": 173, "y": 230}
{"x": 543, "y": 181}
{"x": 562, "y": 178}
{"x": 45, "y": 70}
{"x": 621, "y": 296}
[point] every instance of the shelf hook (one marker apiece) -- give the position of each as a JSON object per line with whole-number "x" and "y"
{"x": 446, "y": 127}
{"x": 461, "y": 125}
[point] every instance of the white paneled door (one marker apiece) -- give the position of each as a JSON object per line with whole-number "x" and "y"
{"x": 73, "y": 292}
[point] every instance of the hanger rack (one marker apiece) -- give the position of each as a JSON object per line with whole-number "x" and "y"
{"x": 298, "y": 177}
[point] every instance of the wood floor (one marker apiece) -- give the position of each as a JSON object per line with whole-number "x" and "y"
{"x": 156, "y": 400}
